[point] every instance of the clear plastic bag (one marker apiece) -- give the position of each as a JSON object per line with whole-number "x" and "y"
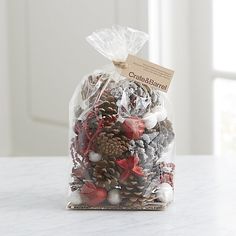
{"x": 121, "y": 136}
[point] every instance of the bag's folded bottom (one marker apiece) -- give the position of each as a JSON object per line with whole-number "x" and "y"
{"x": 152, "y": 207}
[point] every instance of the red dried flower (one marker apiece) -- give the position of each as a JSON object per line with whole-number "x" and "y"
{"x": 167, "y": 173}
{"x": 92, "y": 195}
{"x": 133, "y": 127}
{"x": 167, "y": 178}
{"x": 86, "y": 132}
{"x": 81, "y": 140}
{"x": 130, "y": 166}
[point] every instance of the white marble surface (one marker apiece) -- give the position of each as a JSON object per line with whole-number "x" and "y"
{"x": 33, "y": 191}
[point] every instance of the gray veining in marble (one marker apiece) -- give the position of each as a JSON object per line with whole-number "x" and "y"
{"x": 33, "y": 192}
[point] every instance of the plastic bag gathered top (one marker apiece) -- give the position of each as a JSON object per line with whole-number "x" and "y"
{"x": 121, "y": 136}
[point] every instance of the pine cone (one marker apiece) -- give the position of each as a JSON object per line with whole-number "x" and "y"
{"x": 93, "y": 84}
{"x": 97, "y": 90}
{"x": 166, "y": 130}
{"x": 140, "y": 191}
{"x": 111, "y": 144}
{"x": 149, "y": 149}
{"x": 153, "y": 142}
{"x": 136, "y": 191}
{"x": 77, "y": 176}
{"x": 106, "y": 173}
{"x": 107, "y": 107}
{"x": 75, "y": 183}
{"x": 134, "y": 99}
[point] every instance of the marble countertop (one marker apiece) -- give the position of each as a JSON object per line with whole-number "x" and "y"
{"x": 33, "y": 198}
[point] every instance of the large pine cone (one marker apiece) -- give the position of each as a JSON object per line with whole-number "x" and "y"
{"x": 165, "y": 129}
{"x": 96, "y": 89}
{"x": 106, "y": 107}
{"x": 93, "y": 85}
{"x": 111, "y": 142}
{"x": 106, "y": 174}
{"x": 111, "y": 145}
{"x": 136, "y": 191}
{"x": 154, "y": 142}
{"x": 134, "y": 98}
{"x": 141, "y": 191}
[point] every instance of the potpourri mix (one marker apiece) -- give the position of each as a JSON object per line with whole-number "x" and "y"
{"x": 121, "y": 135}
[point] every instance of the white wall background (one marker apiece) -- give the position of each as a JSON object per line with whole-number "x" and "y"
{"x": 48, "y": 56}
{"x": 46, "y": 40}
{"x": 5, "y": 122}
{"x": 175, "y": 53}
{"x": 186, "y": 46}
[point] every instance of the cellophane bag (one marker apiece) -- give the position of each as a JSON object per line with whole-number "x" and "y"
{"x": 121, "y": 137}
